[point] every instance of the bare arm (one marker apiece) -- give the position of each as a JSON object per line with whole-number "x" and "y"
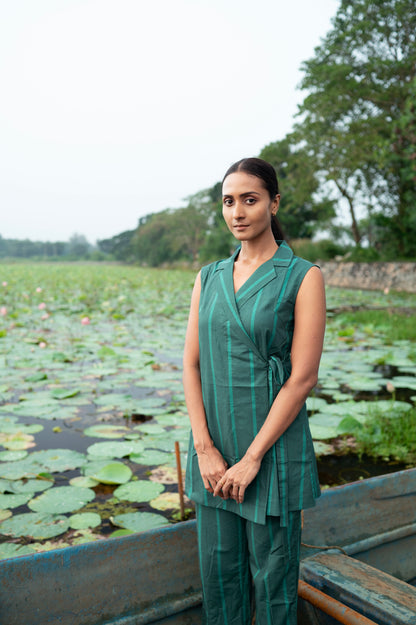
{"x": 211, "y": 463}
{"x": 306, "y": 352}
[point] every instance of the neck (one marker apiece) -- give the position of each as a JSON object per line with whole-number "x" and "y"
{"x": 253, "y": 251}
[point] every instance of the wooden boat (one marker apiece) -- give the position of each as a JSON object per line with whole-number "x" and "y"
{"x": 153, "y": 577}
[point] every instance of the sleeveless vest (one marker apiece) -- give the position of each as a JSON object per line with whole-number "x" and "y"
{"x": 245, "y": 340}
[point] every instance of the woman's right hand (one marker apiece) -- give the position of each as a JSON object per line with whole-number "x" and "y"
{"x": 212, "y": 467}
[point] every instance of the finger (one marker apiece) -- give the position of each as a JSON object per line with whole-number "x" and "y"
{"x": 226, "y": 491}
{"x": 235, "y": 493}
{"x": 241, "y": 494}
{"x": 207, "y": 485}
{"x": 218, "y": 487}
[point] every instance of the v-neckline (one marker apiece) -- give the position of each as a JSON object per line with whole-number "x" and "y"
{"x": 237, "y": 252}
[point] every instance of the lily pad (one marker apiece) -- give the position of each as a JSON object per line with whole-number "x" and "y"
{"x": 321, "y": 432}
{"x": 37, "y": 525}
{"x": 16, "y": 442}
{"x": 165, "y": 475}
{"x": 106, "y": 431}
{"x": 404, "y": 381}
{"x": 36, "y": 377}
{"x": 167, "y": 501}
{"x": 83, "y": 481}
{"x": 20, "y": 428}
{"x": 5, "y": 514}
{"x": 116, "y": 449}
{"x": 14, "y": 500}
{"x": 388, "y": 407}
{"x": 64, "y": 393}
{"x": 349, "y": 425}
{"x": 57, "y": 460}
{"x": 85, "y": 536}
{"x": 31, "y": 486}
{"x": 138, "y": 491}
{"x": 118, "y": 533}
{"x": 314, "y": 403}
{"x": 61, "y": 499}
{"x": 150, "y": 457}
{"x": 11, "y": 456}
{"x": 178, "y": 418}
{"x": 93, "y": 466}
{"x": 84, "y": 520}
{"x": 113, "y": 473}
{"x": 325, "y": 420}
{"x": 151, "y": 428}
{"x": 139, "y": 521}
{"x": 163, "y": 443}
{"x": 10, "y": 550}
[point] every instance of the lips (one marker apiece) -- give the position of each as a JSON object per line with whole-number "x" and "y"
{"x": 240, "y": 226}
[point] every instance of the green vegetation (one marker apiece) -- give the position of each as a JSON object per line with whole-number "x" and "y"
{"x": 90, "y": 355}
{"x": 391, "y": 325}
{"x": 358, "y": 119}
{"x": 390, "y": 436}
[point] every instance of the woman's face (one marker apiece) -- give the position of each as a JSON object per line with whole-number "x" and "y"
{"x": 247, "y": 206}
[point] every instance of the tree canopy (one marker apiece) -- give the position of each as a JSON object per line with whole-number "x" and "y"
{"x": 358, "y": 117}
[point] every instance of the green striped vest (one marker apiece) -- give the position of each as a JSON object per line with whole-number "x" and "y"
{"x": 245, "y": 341}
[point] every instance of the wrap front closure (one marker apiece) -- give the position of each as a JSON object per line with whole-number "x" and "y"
{"x": 275, "y": 373}
{"x": 245, "y": 342}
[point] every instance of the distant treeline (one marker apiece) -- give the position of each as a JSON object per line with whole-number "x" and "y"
{"x": 352, "y": 150}
{"x": 77, "y": 247}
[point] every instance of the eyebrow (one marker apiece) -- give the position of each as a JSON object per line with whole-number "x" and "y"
{"x": 242, "y": 194}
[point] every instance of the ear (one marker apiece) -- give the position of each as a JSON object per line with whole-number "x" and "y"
{"x": 275, "y": 204}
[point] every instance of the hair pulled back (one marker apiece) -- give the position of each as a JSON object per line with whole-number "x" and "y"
{"x": 266, "y": 172}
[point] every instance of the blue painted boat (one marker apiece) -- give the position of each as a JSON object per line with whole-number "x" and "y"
{"x": 153, "y": 577}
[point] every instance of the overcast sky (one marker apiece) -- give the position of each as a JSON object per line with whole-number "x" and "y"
{"x": 112, "y": 109}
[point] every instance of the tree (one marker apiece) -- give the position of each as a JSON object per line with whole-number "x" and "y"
{"x": 118, "y": 246}
{"x": 151, "y": 243}
{"x": 302, "y": 210}
{"x": 78, "y": 245}
{"x": 356, "y": 118}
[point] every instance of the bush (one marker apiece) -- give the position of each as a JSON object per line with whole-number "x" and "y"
{"x": 316, "y": 250}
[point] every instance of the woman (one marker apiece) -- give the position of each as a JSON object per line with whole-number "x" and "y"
{"x": 252, "y": 351}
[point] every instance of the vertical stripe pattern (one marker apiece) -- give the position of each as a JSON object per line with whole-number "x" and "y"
{"x": 245, "y": 341}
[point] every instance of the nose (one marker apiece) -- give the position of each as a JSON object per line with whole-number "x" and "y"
{"x": 238, "y": 211}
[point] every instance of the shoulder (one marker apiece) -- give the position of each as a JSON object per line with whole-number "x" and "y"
{"x": 300, "y": 267}
{"x": 302, "y": 275}
{"x": 210, "y": 270}
{"x": 302, "y": 264}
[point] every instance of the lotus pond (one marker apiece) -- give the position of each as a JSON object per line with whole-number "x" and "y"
{"x": 91, "y": 401}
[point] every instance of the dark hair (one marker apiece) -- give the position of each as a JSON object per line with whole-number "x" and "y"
{"x": 266, "y": 172}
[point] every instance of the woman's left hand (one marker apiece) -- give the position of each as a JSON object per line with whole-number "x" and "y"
{"x": 237, "y": 478}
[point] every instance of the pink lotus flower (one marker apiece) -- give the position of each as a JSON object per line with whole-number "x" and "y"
{"x": 85, "y": 321}
{"x": 3, "y": 311}
{"x": 42, "y": 344}
{"x": 45, "y": 316}
{"x": 386, "y": 290}
{"x": 42, "y": 306}
{"x": 4, "y": 283}
{"x": 39, "y": 290}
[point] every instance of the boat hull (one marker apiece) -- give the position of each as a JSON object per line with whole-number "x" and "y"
{"x": 153, "y": 577}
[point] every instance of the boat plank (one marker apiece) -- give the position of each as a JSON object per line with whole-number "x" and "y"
{"x": 371, "y": 592}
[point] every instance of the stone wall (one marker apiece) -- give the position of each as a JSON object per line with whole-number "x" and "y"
{"x": 371, "y": 276}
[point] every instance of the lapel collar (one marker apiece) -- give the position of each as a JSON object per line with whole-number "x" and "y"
{"x": 264, "y": 274}
{"x": 283, "y": 256}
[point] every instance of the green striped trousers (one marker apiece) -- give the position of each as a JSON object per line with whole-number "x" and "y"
{"x": 237, "y": 556}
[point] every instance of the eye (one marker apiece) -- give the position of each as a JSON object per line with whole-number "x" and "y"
{"x": 227, "y": 201}
{"x": 250, "y": 201}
